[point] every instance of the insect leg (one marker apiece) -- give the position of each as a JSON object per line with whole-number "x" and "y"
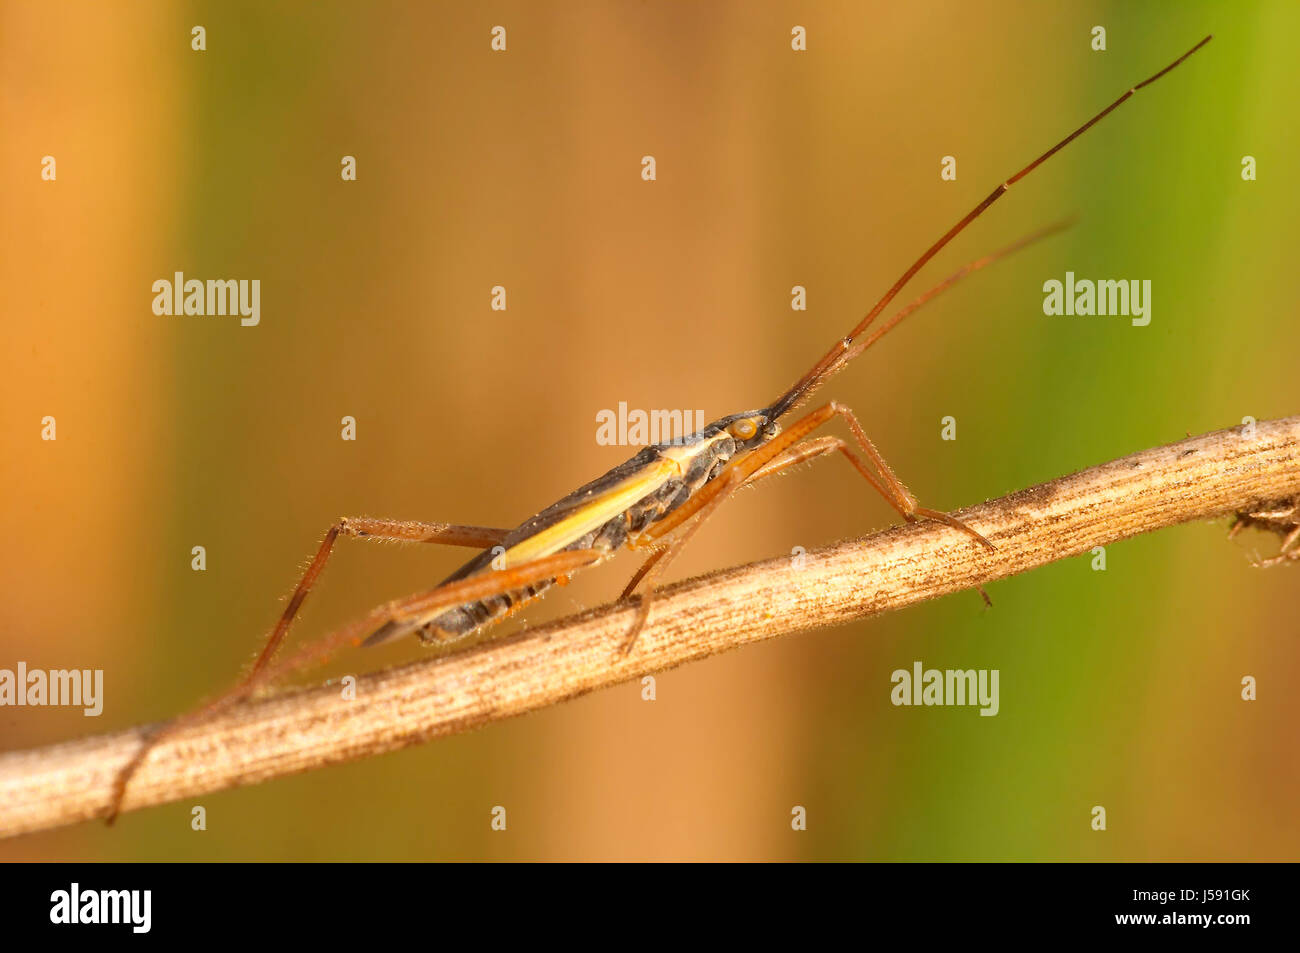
{"x": 819, "y": 447}
{"x": 903, "y": 500}
{"x": 771, "y": 458}
{"x": 654, "y": 567}
{"x": 411, "y": 531}
{"x": 886, "y": 483}
{"x": 800, "y": 453}
{"x": 429, "y": 602}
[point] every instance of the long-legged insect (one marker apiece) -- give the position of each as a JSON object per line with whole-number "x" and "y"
{"x": 664, "y": 489}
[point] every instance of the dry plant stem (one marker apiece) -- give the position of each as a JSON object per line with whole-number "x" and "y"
{"x": 1222, "y": 473}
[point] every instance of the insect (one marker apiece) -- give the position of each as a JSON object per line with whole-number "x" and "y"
{"x": 655, "y": 501}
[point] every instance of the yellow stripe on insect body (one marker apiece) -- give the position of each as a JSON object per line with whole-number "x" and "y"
{"x": 595, "y": 514}
{"x": 674, "y": 462}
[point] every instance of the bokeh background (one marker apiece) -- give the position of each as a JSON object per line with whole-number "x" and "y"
{"x": 1119, "y": 688}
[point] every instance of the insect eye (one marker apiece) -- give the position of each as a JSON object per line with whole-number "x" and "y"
{"x": 744, "y": 429}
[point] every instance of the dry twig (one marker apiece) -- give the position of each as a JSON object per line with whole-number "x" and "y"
{"x": 1231, "y": 471}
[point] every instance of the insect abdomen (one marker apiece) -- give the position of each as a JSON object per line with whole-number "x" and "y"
{"x": 462, "y": 621}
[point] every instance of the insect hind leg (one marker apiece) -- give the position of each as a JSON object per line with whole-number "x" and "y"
{"x": 381, "y": 530}
{"x": 421, "y": 606}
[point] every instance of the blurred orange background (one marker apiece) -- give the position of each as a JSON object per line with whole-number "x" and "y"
{"x": 522, "y": 169}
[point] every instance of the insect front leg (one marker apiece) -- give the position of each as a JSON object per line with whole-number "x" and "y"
{"x": 779, "y": 454}
{"x": 885, "y": 482}
{"x": 893, "y": 490}
{"x": 811, "y": 450}
{"x": 800, "y": 453}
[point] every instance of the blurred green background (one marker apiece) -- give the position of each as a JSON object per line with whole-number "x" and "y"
{"x": 821, "y": 168}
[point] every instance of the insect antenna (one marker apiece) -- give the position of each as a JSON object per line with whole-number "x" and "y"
{"x": 844, "y": 350}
